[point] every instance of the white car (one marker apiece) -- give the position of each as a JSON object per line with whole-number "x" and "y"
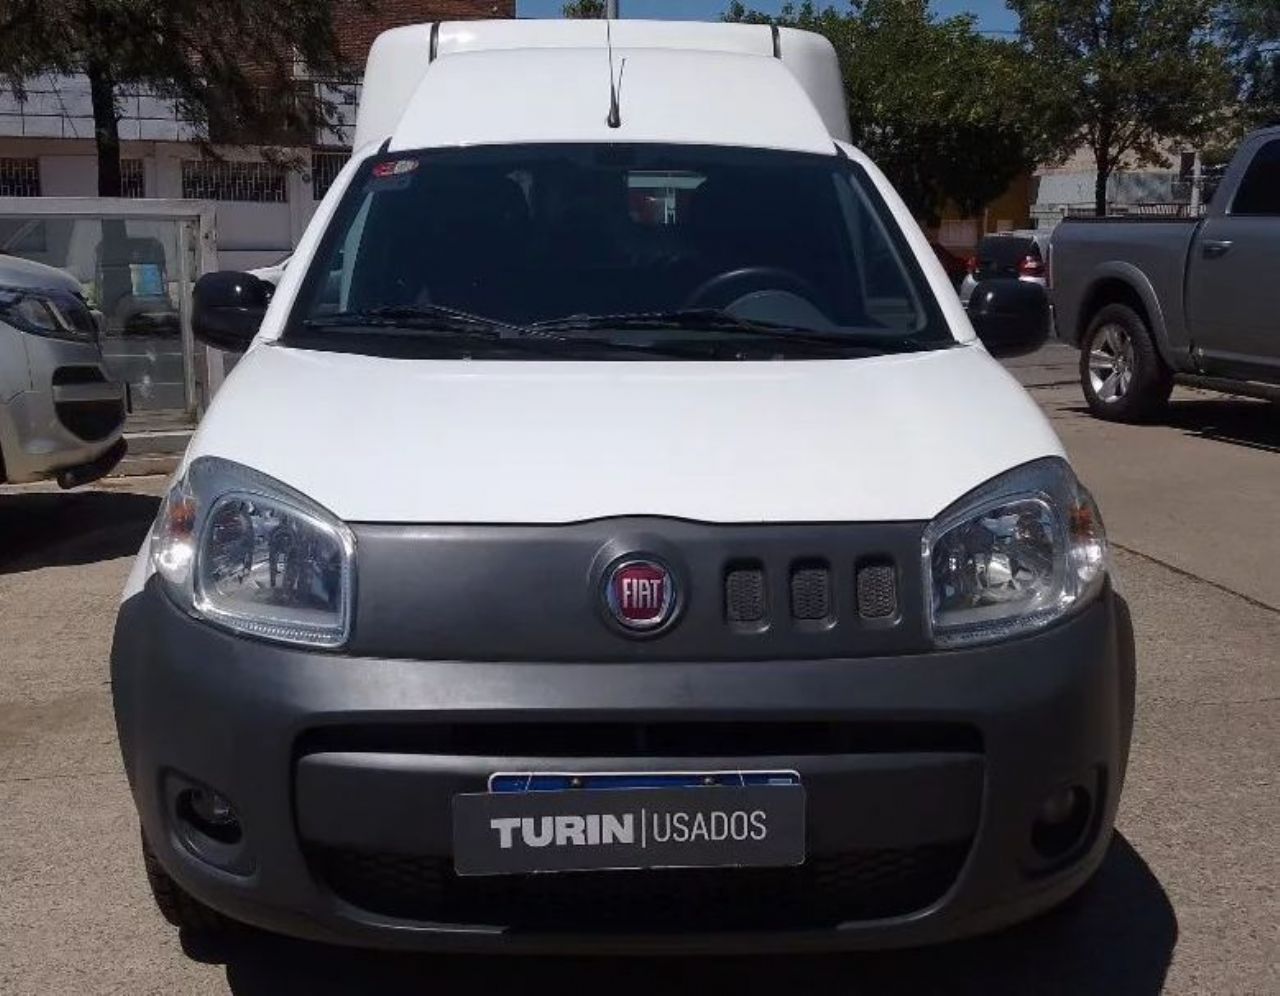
{"x": 61, "y": 414}
{"x": 599, "y": 548}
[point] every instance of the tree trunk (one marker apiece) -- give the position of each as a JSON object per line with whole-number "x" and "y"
{"x": 113, "y": 276}
{"x": 1100, "y": 189}
{"x": 106, "y": 127}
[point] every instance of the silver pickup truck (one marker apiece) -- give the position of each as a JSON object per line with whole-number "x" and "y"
{"x": 1152, "y": 301}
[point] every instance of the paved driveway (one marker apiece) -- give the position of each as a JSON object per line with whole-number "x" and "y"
{"x": 1186, "y": 902}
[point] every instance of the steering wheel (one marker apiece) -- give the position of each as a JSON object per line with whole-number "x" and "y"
{"x": 726, "y": 288}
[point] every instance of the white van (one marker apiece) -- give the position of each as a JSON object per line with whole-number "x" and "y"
{"x": 615, "y": 538}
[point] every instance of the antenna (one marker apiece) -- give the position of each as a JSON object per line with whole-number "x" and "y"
{"x": 614, "y": 120}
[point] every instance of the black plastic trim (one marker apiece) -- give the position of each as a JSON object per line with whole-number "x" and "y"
{"x": 534, "y": 592}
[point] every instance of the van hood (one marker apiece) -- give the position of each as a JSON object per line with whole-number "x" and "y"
{"x": 455, "y": 441}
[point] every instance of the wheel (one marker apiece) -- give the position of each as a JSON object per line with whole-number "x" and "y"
{"x": 1123, "y": 376}
{"x": 177, "y": 905}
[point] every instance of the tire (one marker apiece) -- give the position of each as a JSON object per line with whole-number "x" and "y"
{"x": 177, "y": 905}
{"x": 1123, "y": 376}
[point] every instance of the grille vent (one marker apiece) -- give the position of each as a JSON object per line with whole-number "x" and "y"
{"x": 744, "y": 597}
{"x": 811, "y": 592}
{"x": 877, "y": 591}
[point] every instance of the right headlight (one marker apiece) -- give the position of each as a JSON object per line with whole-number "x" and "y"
{"x": 251, "y": 554}
{"x": 1018, "y": 553}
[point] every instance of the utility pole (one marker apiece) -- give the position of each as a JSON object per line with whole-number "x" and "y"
{"x": 1197, "y": 184}
{"x": 611, "y": 9}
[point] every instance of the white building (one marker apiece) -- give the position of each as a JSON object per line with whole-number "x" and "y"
{"x": 47, "y": 149}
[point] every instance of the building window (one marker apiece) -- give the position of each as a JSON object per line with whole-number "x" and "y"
{"x": 325, "y": 167}
{"x": 131, "y": 181}
{"x": 211, "y": 179}
{"x": 19, "y": 177}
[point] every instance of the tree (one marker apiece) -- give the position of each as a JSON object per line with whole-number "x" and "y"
{"x": 1252, "y": 32}
{"x": 583, "y": 8}
{"x": 227, "y": 65}
{"x": 1130, "y": 77}
{"x": 941, "y": 109}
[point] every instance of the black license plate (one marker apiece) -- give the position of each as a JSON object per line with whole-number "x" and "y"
{"x": 507, "y": 833}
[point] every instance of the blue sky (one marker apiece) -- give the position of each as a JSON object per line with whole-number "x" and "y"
{"x": 993, "y": 15}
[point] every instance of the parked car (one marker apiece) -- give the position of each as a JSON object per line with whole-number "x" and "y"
{"x": 1150, "y": 302}
{"x": 585, "y": 578}
{"x": 1017, "y": 255}
{"x": 61, "y": 415}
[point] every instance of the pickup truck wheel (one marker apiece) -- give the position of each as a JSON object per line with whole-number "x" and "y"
{"x": 177, "y": 905}
{"x": 1123, "y": 377}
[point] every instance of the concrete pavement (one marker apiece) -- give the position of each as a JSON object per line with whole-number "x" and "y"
{"x": 1186, "y": 902}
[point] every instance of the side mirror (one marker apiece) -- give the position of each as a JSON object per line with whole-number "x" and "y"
{"x": 227, "y": 308}
{"x": 1010, "y": 316}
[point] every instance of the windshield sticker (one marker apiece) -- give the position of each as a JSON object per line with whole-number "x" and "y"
{"x": 393, "y": 174}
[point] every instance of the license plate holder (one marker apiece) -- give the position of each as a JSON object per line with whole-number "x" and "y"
{"x": 596, "y": 822}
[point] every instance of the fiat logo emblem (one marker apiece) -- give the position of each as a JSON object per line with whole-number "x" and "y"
{"x": 641, "y": 594}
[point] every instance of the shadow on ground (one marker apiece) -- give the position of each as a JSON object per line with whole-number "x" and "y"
{"x": 1240, "y": 421}
{"x": 61, "y": 529}
{"x": 1116, "y": 936}
{"x": 1255, "y": 424}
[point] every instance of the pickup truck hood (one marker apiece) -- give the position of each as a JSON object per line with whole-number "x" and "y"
{"x": 393, "y": 440}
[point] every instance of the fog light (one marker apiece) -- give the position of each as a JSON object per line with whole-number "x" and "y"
{"x": 1061, "y": 822}
{"x": 210, "y": 813}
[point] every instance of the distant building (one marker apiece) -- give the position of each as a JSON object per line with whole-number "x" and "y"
{"x": 47, "y": 148}
{"x": 1068, "y": 188}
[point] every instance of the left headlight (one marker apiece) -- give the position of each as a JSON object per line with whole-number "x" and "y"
{"x": 56, "y": 314}
{"x": 1020, "y": 552}
{"x": 248, "y": 553}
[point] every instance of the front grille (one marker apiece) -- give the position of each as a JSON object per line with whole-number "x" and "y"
{"x": 857, "y": 885}
{"x": 91, "y": 420}
{"x": 708, "y": 738}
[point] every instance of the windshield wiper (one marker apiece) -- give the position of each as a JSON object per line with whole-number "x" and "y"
{"x": 426, "y": 317}
{"x": 407, "y": 321}
{"x": 716, "y": 320}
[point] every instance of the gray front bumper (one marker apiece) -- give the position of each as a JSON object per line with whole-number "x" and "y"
{"x": 322, "y": 750}
{"x": 36, "y": 439}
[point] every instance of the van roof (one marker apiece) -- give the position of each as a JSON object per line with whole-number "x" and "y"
{"x": 528, "y": 81}
{"x": 545, "y": 95}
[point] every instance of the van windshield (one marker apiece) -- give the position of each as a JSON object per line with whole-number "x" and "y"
{"x": 631, "y": 251}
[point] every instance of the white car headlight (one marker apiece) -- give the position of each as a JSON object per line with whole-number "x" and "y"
{"x": 246, "y": 552}
{"x": 1018, "y": 553}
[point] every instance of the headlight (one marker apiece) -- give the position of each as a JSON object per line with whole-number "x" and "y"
{"x": 58, "y": 314}
{"x": 1018, "y": 553}
{"x": 249, "y": 553}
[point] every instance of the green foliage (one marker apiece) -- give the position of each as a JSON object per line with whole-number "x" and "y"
{"x": 941, "y": 109}
{"x": 227, "y": 64}
{"x": 1129, "y": 77}
{"x": 1251, "y": 29}
{"x": 583, "y": 8}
